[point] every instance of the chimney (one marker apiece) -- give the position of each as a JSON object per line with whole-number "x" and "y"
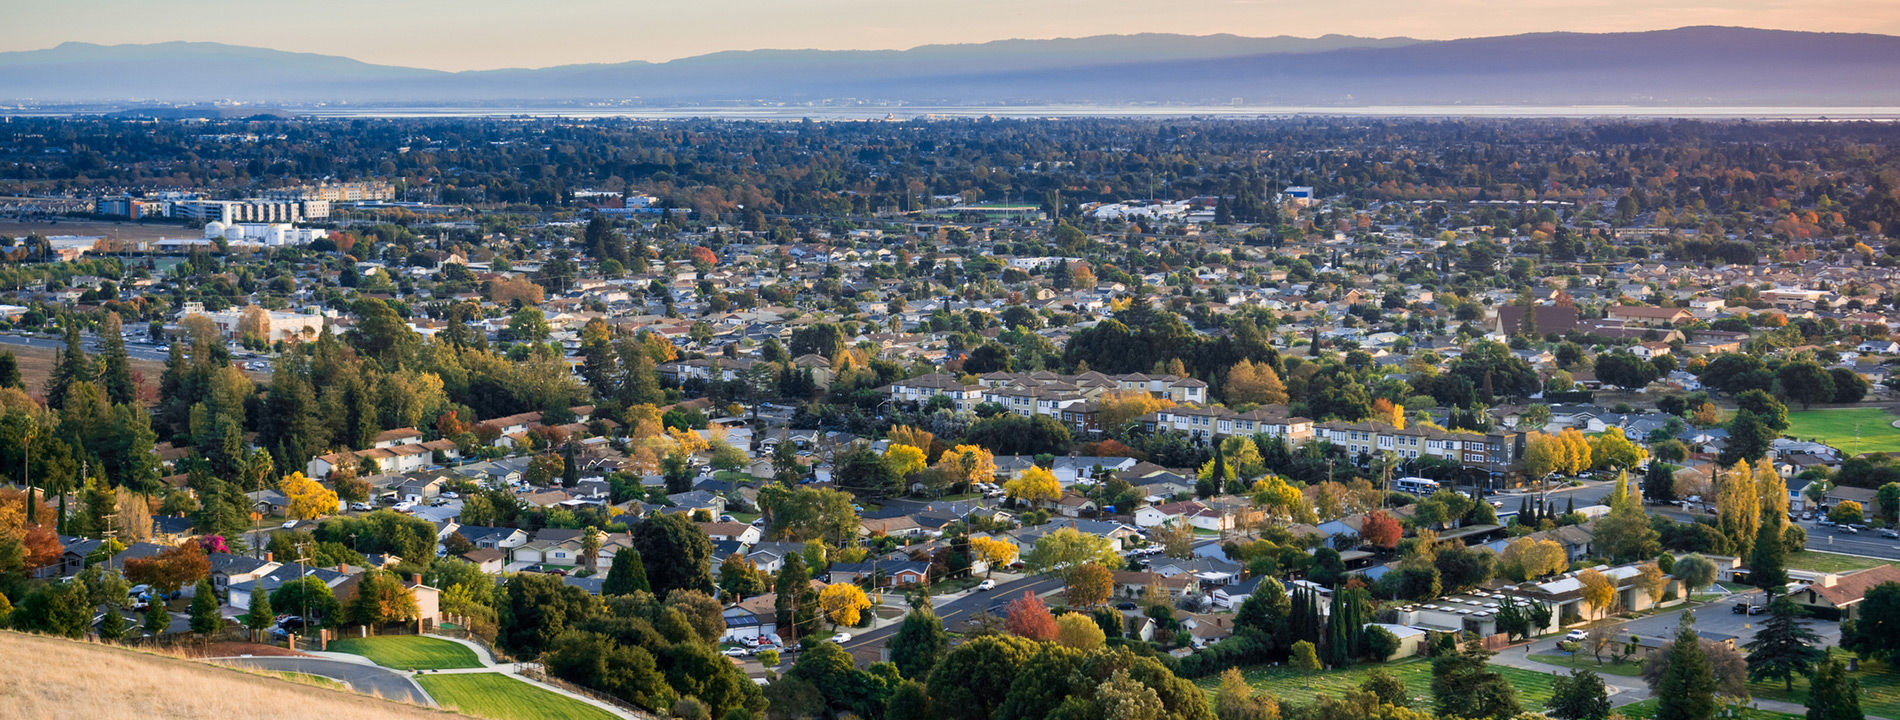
{"x": 415, "y": 579}
{"x": 268, "y": 556}
{"x": 343, "y": 568}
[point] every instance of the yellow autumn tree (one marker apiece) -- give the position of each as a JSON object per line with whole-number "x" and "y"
{"x": 907, "y": 435}
{"x": 1598, "y": 592}
{"x": 1035, "y": 485}
{"x": 1254, "y": 384}
{"x": 1771, "y": 488}
{"x": 1244, "y": 456}
{"x": 843, "y": 603}
{"x": 993, "y": 551}
{"x": 1117, "y": 409}
{"x": 686, "y": 441}
{"x": 1389, "y": 412}
{"x": 1738, "y": 507}
{"x": 1281, "y": 501}
{"x": 904, "y": 459}
{"x": 308, "y": 498}
{"x": 1543, "y": 455}
{"x": 1577, "y": 454}
{"x": 967, "y": 464}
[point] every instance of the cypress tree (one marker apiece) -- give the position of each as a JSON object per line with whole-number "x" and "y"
{"x": 70, "y": 365}
{"x": 1767, "y": 567}
{"x": 1784, "y": 646}
{"x": 570, "y": 466}
{"x": 115, "y": 370}
{"x": 10, "y": 371}
{"x": 628, "y": 574}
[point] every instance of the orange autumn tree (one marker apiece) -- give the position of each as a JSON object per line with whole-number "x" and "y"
{"x": 171, "y": 569}
{"x": 1029, "y": 618}
{"x": 40, "y": 545}
{"x": 1389, "y": 412}
{"x": 1381, "y": 530}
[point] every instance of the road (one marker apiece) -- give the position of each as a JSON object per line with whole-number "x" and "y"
{"x": 866, "y": 647}
{"x": 366, "y": 679}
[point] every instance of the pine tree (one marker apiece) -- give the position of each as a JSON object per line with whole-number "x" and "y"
{"x": 1784, "y": 647}
{"x": 204, "y": 609}
{"x": 156, "y": 619}
{"x": 571, "y": 466}
{"x": 260, "y": 615}
{"x": 112, "y": 626}
{"x": 1833, "y": 694}
{"x": 70, "y": 365}
{"x": 10, "y": 371}
{"x": 919, "y": 643}
{"x": 627, "y": 576}
{"x": 1686, "y": 690}
{"x": 115, "y": 369}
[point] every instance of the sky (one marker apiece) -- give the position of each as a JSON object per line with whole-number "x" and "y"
{"x": 487, "y": 34}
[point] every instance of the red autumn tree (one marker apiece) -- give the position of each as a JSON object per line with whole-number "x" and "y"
{"x": 1381, "y": 530}
{"x": 170, "y": 569}
{"x": 1029, "y": 618}
{"x": 703, "y": 256}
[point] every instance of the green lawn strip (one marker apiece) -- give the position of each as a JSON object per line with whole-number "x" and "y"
{"x": 1646, "y": 710}
{"x": 1879, "y": 690}
{"x": 409, "y": 652}
{"x": 317, "y": 680}
{"x": 1533, "y": 688}
{"x": 499, "y": 697}
{"x": 1586, "y": 661}
{"x": 1827, "y": 562}
{"x": 1853, "y": 431}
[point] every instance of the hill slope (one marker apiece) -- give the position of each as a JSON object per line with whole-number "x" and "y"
{"x": 1685, "y": 66}
{"x": 57, "y": 679}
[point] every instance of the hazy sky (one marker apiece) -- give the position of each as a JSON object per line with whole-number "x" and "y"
{"x": 479, "y": 34}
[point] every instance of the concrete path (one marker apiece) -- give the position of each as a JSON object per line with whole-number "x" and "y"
{"x": 367, "y": 679}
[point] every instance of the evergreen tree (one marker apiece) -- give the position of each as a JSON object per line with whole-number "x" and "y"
{"x": 1784, "y": 647}
{"x": 156, "y": 619}
{"x": 1686, "y": 690}
{"x": 1659, "y": 482}
{"x": 1767, "y": 566}
{"x": 260, "y": 616}
{"x": 205, "y": 619}
{"x": 1463, "y": 686}
{"x": 112, "y": 626}
{"x": 627, "y": 576}
{"x": 10, "y": 371}
{"x": 1581, "y": 695}
{"x": 115, "y": 369}
{"x": 571, "y": 466}
{"x": 70, "y": 366}
{"x": 1833, "y": 694}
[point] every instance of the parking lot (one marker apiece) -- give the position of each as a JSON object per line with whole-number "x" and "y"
{"x": 1719, "y": 617}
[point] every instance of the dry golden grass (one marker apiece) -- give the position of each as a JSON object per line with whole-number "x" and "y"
{"x": 56, "y": 679}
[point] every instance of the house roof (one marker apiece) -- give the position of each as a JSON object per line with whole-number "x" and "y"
{"x": 1850, "y": 589}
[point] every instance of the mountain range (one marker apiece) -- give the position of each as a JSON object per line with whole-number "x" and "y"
{"x": 1693, "y": 66}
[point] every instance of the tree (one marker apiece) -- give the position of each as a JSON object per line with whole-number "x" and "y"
{"x": 1613, "y": 450}
{"x": 1381, "y": 530}
{"x": 1749, "y": 439}
{"x": 1625, "y": 533}
{"x": 1078, "y": 631}
{"x": 156, "y": 620}
{"x": 1175, "y": 537}
{"x": 1528, "y": 558}
{"x": 1738, "y": 507}
{"x": 308, "y": 498}
{"x": 740, "y": 578}
{"x": 842, "y": 603}
{"x": 1089, "y": 585}
{"x": 965, "y": 464}
{"x": 1659, "y": 481}
{"x": 627, "y": 576}
{"x": 623, "y": 671}
{"x": 993, "y": 552}
{"x": 1695, "y": 572}
{"x": 1256, "y": 384}
{"x": 1028, "y": 617}
{"x": 112, "y": 625}
{"x": 974, "y": 678}
{"x": 919, "y": 642}
{"x": 171, "y": 569}
{"x": 205, "y": 619}
{"x": 1685, "y": 681}
{"x": 677, "y": 555}
{"x": 1846, "y": 511}
{"x": 1805, "y": 382}
{"x": 811, "y": 514}
{"x": 1236, "y": 699}
{"x": 1581, "y": 695}
{"x": 381, "y": 599}
{"x": 1543, "y": 454}
{"x": 1305, "y": 659}
{"x": 1834, "y": 694}
{"x": 1598, "y": 591}
{"x": 1784, "y": 647}
{"x": 1767, "y": 568}
{"x": 1463, "y": 686}
{"x": 1036, "y": 485}
{"x": 1874, "y": 632}
{"x": 1067, "y": 549}
{"x": 259, "y": 617}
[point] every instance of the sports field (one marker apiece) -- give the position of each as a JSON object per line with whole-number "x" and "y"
{"x": 1854, "y": 431}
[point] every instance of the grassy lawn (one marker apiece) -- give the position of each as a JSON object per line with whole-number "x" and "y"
{"x": 409, "y": 652}
{"x": 1839, "y": 428}
{"x": 1879, "y": 690}
{"x": 1831, "y": 563}
{"x": 1586, "y": 661}
{"x": 499, "y": 697}
{"x": 1646, "y": 709}
{"x": 733, "y": 476}
{"x": 746, "y": 518}
{"x": 1533, "y": 688}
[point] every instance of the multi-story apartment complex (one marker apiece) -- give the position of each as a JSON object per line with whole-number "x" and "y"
{"x": 1496, "y": 452}
{"x": 251, "y": 211}
{"x": 336, "y": 192}
{"x": 1067, "y": 398}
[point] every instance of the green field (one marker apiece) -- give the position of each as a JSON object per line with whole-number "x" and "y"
{"x": 409, "y": 652}
{"x": 1879, "y": 690}
{"x": 1586, "y": 661}
{"x": 1840, "y": 427}
{"x": 1831, "y": 563}
{"x": 499, "y": 697}
{"x": 1533, "y": 688}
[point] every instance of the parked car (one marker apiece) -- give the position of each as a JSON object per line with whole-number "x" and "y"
{"x": 737, "y": 652}
{"x": 841, "y": 638}
{"x": 986, "y": 585}
{"x": 1846, "y": 530}
{"x": 1890, "y": 533}
{"x": 1577, "y": 635}
{"x": 362, "y": 506}
{"x": 1746, "y": 608}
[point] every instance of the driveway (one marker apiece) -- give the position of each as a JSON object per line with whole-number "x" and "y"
{"x": 366, "y": 679}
